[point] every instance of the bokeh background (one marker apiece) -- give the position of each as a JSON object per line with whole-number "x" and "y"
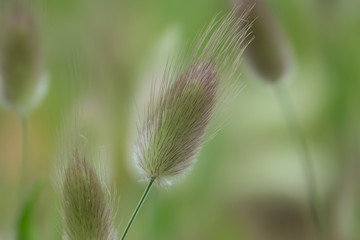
{"x": 101, "y": 55}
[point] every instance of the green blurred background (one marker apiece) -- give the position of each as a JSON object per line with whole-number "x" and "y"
{"x": 101, "y": 56}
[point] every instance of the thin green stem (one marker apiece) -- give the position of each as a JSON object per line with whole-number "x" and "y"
{"x": 142, "y": 199}
{"x": 305, "y": 157}
{"x": 24, "y": 151}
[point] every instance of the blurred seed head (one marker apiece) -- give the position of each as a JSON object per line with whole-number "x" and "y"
{"x": 22, "y": 77}
{"x": 275, "y": 217}
{"x": 176, "y": 119}
{"x": 268, "y": 53}
{"x": 87, "y": 213}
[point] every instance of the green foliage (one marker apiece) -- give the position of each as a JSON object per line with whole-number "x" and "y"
{"x": 25, "y": 227}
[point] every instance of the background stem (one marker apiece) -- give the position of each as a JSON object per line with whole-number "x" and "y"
{"x": 142, "y": 199}
{"x": 305, "y": 157}
{"x": 24, "y": 152}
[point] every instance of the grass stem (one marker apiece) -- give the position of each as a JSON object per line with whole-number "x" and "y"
{"x": 24, "y": 152}
{"x": 305, "y": 157}
{"x": 146, "y": 192}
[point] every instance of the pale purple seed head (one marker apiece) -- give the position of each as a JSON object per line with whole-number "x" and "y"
{"x": 177, "y": 118}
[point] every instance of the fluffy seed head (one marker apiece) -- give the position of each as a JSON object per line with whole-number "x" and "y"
{"x": 268, "y": 53}
{"x": 177, "y": 118}
{"x": 21, "y": 74}
{"x": 87, "y": 214}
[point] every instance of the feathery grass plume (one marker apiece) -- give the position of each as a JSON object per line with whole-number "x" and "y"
{"x": 22, "y": 78}
{"x": 87, "y": 214}
{"x": 268, "y": 53}
{"x": 177, "y": 117}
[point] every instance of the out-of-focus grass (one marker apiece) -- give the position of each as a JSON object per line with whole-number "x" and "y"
{"x": 25, "y": 228}
{"x": 95, "y": 51}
